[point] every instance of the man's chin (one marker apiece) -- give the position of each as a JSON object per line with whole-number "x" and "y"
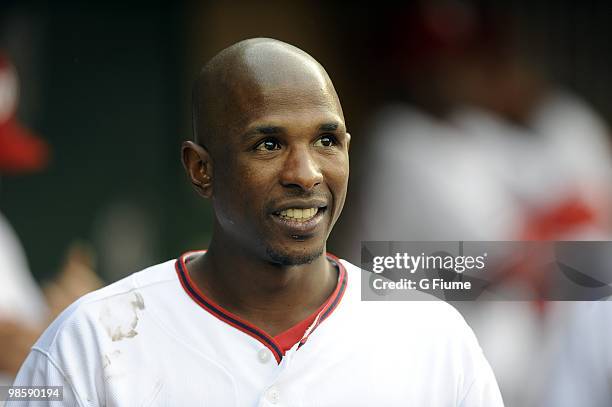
{"x": 288, "y": 258}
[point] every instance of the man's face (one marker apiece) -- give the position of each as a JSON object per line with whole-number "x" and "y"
{"x": 281, "y": 173}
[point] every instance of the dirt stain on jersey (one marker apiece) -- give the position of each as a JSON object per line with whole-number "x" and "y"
{"x": 109, "y": 357}
{"x": 119, "y": 315}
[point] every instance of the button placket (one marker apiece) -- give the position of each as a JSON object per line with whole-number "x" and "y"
{"x": 273, "y": 395}
{"x": 264, "y": 355}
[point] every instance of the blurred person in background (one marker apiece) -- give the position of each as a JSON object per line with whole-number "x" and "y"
{"x": 476, "y": 142}
{"x": 24, "y": 310}
{"x": 546, "y": 146}
{"x": 551, "y": 153}
{"x": 426, "y": 179}
{"x": 479, "y": 145}
{"x": 22, "y": 306}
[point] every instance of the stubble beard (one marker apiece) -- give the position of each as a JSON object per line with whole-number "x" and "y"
{"x": 286, "y": 259}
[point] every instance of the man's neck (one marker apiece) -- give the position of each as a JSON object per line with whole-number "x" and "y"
{"x": 270, "y": 296}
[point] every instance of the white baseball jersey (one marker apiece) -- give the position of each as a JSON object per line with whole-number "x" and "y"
{"x": 153, "y": 339}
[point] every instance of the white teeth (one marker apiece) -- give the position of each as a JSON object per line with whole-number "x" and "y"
{"x": 299, "y": 214}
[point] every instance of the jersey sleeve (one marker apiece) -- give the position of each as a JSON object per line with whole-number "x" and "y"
{"x": 481, "y": 390}
{"x": 66, "y": 354}
{"x": 40, "y": 370}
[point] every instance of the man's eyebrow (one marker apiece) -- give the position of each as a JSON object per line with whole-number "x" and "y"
{"x": 269, "y": 129}
{"x": 328, "y": 127}
{"x": 266, "y": 129}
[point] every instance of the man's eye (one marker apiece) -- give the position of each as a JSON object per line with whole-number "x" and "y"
{"x": 325, "y": 141}
{"x": 268, "y": 145}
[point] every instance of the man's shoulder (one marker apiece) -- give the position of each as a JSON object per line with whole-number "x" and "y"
{"x": 421, "y": 308}
{"x": 423, "y": 322}
{"x": 79, "y": 317}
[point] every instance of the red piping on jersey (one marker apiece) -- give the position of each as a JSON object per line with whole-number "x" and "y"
{"x": 334, "y": 299}
{"x": 234, "y": 320}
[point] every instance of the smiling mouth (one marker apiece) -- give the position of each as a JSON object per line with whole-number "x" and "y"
{"x": 298, "y": 214}
{"x": 299, "y": 221}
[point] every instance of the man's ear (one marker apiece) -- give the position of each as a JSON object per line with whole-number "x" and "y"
{"x": 348, "y": 141}
{"x": 198, "y": 166}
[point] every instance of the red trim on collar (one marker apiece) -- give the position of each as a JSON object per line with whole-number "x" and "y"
{"x": 333, "y": 301}
{"x": 293, "y": 335}
{"x": 243, "y": 325}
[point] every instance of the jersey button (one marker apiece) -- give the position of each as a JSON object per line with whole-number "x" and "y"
{"x": 273, "y": 395}
{"x": 264, "y": 355}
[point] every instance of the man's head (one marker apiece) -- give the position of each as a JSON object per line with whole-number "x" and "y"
{"x": 270, "y": 150}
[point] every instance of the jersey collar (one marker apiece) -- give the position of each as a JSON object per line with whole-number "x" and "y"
{"x": 234, "y": 320}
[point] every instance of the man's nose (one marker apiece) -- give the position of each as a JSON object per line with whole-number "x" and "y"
{"x": 301, "y": 170}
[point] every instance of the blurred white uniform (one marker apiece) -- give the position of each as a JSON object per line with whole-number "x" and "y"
{"x": 478, "y": 177}
{"x": 582, "y": 372}
{"x": 20, "y": 297}
{"x": 562, "y": 163}
{"x": 427, "y": 181}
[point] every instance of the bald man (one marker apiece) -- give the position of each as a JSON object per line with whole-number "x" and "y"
{"x": 264, "y": 317}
